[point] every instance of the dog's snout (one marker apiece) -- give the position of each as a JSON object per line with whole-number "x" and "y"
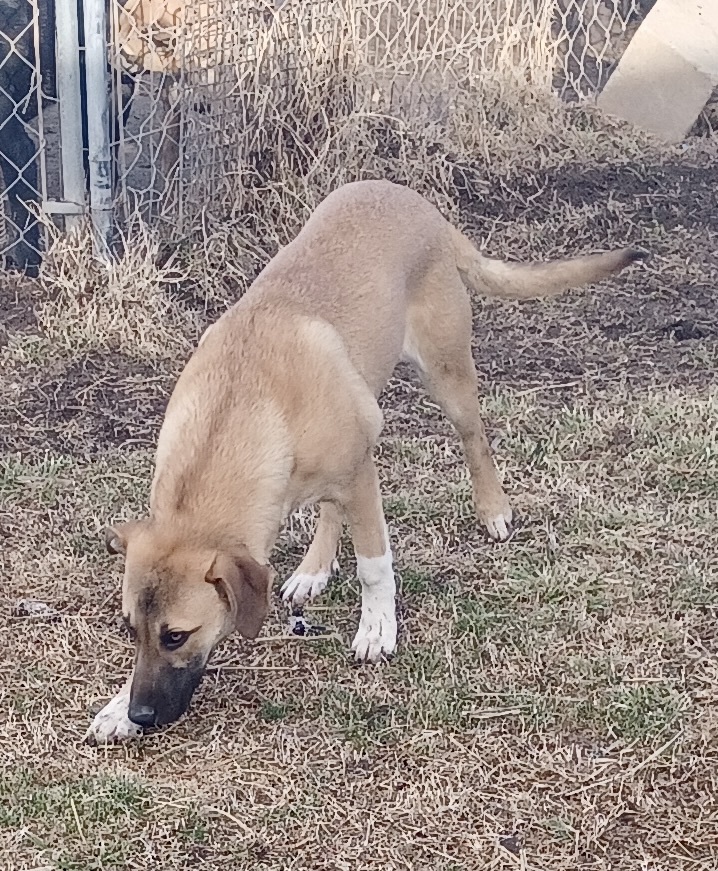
{"x": 142, "y": 715}
{"x": 161, "y": 694}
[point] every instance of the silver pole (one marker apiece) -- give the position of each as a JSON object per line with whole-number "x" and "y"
{"x": 98, "y": 123}
{"x": 68, "y": 92}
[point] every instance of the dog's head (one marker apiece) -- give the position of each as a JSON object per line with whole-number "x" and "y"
{"x": 179, "y": 601}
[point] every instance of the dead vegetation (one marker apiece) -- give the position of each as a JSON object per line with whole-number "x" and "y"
{"x": 553, "y": 703}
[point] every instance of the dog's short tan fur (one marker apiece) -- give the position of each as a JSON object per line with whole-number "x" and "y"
{"x": 278, "y": 408}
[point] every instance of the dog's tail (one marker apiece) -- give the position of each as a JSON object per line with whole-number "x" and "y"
{"x": 504, "y": 280}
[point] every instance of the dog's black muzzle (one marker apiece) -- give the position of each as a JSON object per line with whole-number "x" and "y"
{"x": 161, "y": 695}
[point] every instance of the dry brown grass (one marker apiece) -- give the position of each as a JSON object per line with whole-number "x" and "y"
{"x": 553, "y": 703}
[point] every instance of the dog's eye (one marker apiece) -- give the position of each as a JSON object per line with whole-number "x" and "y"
{"x": 173, "y": 640}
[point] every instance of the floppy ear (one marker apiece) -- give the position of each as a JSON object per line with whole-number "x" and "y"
{"x": 247, "y": 585}
{"x": 117, "y": 536}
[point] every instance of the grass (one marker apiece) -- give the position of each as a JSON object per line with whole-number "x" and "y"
{"x": 539, "y": 686}
{"x": 87, "y": 823}
{"x": 553, "y": 701}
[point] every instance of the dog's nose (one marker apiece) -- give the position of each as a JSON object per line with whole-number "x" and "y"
{"x": 142, "y": 715}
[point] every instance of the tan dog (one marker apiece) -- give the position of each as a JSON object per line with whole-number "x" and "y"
{"x": 278, "y": 408}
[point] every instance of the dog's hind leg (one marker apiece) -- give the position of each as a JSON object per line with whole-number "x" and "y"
{"x": 312, "y": 576}
{"x": 438, "y": 344}
{"x": 377, "y": 631}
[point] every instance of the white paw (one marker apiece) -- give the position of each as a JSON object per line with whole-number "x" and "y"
{"x": 376, "y": 635}
{"x": 499, "y": 526}
{"x": 112, "y": 723}
{"x": 377, "y": 628}
{"x": 302, "y": 586}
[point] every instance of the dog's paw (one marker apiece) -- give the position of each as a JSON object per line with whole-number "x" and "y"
{"x": 498, "y": 522}
{"x": 376, "y": 636}
{"x": 499, "y": 527}
{"x": 112, "y": 724}
{"x": 303, "y": 586}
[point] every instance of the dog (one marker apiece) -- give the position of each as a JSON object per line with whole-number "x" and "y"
{"x": 277, "y": 408}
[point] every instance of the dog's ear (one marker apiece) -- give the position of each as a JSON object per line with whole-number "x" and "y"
{"x": 247, "y": 586}
{"x": 117, "y": 536}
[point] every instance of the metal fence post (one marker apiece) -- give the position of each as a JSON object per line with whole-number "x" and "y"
{"x": 98, "y": 123}
{"x": 68, "y": 91}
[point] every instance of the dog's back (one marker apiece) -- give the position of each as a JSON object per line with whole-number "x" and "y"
{"x": 372, "y": 250}
{"x": 354, "y": 265}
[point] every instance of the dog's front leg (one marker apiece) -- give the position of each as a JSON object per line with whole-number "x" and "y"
{"x": 376, "y": 636}
{"x": 113, "y": 723}
{"x": 312, "y": 576}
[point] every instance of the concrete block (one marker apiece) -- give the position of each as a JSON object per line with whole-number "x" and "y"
{"x": 669, "y": 69}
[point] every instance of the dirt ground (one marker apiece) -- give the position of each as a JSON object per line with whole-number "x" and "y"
{"x": 553, "y": 702}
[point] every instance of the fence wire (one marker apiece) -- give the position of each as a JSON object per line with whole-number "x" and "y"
{"x": 209, "y": 95}
{"x": 226, "y": 83}
{"x": 23, "y": 171}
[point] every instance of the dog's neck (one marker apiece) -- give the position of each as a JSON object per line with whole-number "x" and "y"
{"x": 222, "y": 523}
{"x": 196, "y": 490}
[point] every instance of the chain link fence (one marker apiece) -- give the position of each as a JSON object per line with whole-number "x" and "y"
{"x": 251, "y": 81}
{"x": 24, "y": 57}
{"x": 221, "y": 91}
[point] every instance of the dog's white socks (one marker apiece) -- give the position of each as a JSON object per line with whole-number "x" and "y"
{"x": 112, "y": 723}
{"x": 377, "y": 627}
{"x": 376, "y": 635}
